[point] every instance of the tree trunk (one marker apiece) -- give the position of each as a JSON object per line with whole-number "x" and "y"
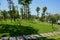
{"x": 25, "y": 12}
{"x": 28, "y": 12}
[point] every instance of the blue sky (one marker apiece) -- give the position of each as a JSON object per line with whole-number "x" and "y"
{"x": 52, "y": 5}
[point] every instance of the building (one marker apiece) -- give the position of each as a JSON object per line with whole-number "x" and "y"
{"x": 58, "y": 22}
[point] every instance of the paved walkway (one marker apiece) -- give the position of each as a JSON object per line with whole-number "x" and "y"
{"x": 33, "y": 36}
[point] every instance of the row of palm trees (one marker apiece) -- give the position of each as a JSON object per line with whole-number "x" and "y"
{"x": 24, "y": 10}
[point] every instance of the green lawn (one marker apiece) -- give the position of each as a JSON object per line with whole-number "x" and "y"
{"x": 24, "y": 27}
{"x": 42, "y": 27}
{"x": 56, "y": 37}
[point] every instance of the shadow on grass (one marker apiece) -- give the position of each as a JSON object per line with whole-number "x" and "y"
{"x": 42, "y": 38}
{"x": 45, "y": 38}
{"x": 16, "y": 30}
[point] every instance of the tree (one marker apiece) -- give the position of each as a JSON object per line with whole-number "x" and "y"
{"x": 12, "y": 9}
{"x": 17, "y": 12}
{"x": 10, "y": 3}
{"x": 37, "y": 10}
{"x": 43, "y": 13}
{"x": 28, "y": 12}
{"x": 52, "y": 19}
{"x": 1, "y": 16}
{"x": 4, "y": 13}
{"x": 57, "y": 16}
{"x": 44, "y": 9}
{"x": 46, "y": 16}
{"x": 25, "y": 4}
{"x": 21, "y": 11}
{"x": 13, "y": 12}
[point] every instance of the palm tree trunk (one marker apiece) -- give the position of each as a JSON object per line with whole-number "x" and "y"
{"x": 37, "y": 14}
{"x": 25, "y": 11}
{"x": 28, "y": 12}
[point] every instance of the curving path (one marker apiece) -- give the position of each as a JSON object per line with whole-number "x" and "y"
{"x": 33, "y": 36}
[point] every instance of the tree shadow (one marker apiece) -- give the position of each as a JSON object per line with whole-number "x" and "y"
{"x": 43, "y": 38}
{"x": 17, "y": 30}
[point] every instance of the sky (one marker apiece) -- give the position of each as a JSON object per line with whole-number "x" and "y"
{"x": 52, "y": 6}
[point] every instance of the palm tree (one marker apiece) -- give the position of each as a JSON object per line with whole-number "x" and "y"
{"x": 12, "y": 9}
{"x": 17, "y": 12}
{"x": 4, "y": 13}
{"x": 37, "y": 10}
{"x": 43, "y": 14}
{"x": 10, "y": 12}
{"x": 44, "y": 9}
{"x": 21, "y": 11}
{"x": 25, "y": 4}
{"x": 14, "y": 12}
{"x": 10, "y": 2}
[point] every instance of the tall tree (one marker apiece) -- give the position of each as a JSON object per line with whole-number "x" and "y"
{"x": 10, "y": 3}
{"x": 4, "y": 13}
{"x": 28, "y": 13}
{"x": 25, "y": 4}
{"x": 57, "y": 16}
{"x": 17, "y": 12}
{"x": 12, "y": 9}
{"x": 21, "y": 11}
{"x": 1, "y": 16}
{"x": 44, "y": 9}
{"x": 13, "y": 12}
{"x": 43, "y": 13}
{"x": 37, "y": 10}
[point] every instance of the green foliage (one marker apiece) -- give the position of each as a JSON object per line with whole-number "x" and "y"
{"x": 56, "y": 37}
{"x": 53, "y": 17}
{"x": 15, "y": 29}
{"x": 37, "y": 10}
{"x": 25, "y": 27}
{"x": 57, "y": 16}
{"x": 4, "y": 14}
{"x": 44, "y": 9}
{"x": 25, "y": 4}
{"x": 43, "y": 13}
{"x": 22, "y": 27}
{"x": 21, "y": 11}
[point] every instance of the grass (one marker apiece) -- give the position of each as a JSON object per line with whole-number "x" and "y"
{"x": 56, "y": 37}
{"x": 24, "y": 27}
{"x": 42, "y": 27}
